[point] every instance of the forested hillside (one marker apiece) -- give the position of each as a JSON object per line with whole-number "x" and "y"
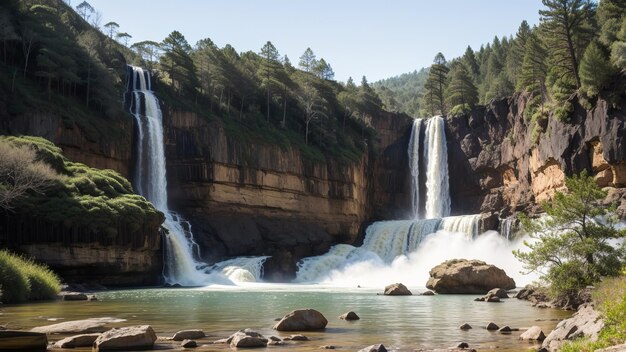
{"x": 403, "y": 93}
{"x": 578, "y": 47}
{"x": 64, "y": 60}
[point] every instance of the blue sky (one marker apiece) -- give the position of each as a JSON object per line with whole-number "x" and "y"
{"x": 378, "y": 39}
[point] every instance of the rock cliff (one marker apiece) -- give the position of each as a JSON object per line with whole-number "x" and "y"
{"x": 498, "y": 166}
{"x": 247, "y": 198}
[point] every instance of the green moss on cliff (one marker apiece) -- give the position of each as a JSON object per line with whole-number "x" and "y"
{"x": 101, "y": 201}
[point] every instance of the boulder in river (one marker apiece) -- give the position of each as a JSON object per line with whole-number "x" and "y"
{"x": 127, "y": 338}
{"x": 374, "y": 348}
{"x": 83, "y": 340}
{"x": 85, "y": 326}
{"x": 188, "y": 335}
{"x": 397, "y": 289}
{"x": 467, "y": 276}
{"x": 72, "y": 296}
{"x": 349, "y": 316}
{"x": 302, "y": 320}
{"x": 247, "y": 338}
{"x": 586, "y": 322}
{"x": 465, "y": 326}
{"x": 533, "y": 333}
{"x": 14, "y": 340}
{"x": 492, "y": 326}
{"x": 428, "y": 293}
{"x": 498, "y": 292}
{"x": 189, "y": 344}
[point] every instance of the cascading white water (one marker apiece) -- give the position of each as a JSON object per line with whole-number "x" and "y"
{"x": 436, "y": 153}
{"x": 181, "y": 266}
{"x": 435, "y": 160}
{"x": 384, "y": 243}
{"x": 414, "y": 165}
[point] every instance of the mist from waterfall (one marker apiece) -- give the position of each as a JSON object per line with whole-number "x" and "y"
{"x": 181, "y": 253}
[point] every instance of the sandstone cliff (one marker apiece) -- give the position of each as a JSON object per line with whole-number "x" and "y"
{"x": 497, "y": 166}
{"x": 246, "y": 198}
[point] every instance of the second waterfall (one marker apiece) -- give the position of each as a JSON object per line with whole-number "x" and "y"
{"x": 430, "y": 172}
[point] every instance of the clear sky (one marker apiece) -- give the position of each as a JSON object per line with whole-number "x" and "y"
{"x": 378, "y": 39}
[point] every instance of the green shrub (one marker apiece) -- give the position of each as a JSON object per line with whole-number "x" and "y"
{"x": 610, "y": 299}
{"x": 22, "y": 279}
{"x": 44, "y": 284}
{"x": 14, "y": 281}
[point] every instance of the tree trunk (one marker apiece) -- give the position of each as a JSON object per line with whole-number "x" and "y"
{"x": 306, "y": 132}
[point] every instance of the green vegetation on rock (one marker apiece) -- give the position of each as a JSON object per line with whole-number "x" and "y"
{"x": 610, "y": 299}
{"x": 24, "y": 280}
{"x": 98, "y": 201}
{"x": 571, "y": 247}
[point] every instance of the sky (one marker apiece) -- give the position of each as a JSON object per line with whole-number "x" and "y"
{"x": 378, "y": 39}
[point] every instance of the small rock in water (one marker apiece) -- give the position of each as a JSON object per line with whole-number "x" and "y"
{"x": 189, "y": 344}
{"x": 132, "y": 337}
{"x": 428, "y": 293}
{"x": 374, "y": 348}
{"x": 274, "y": 338}
{"x": 275, "y": 343}
{"x": 302, "y": 320}
{"x": 298, "y": 338}
{"x": 505, "y": 329}
{"x": 498, "y": 292}
{"x": 188, "y": 335}
{"x": 492, "y": 326}
{"x": 72, "y": 296}
{"x": 465, "y": 326}
{"x": 462, "y": 345}
{"x": 84, "y": 340}
{"x": 327, "y": 347}
{"x": 349, "y": 316}
{"x": 397, "y": 289}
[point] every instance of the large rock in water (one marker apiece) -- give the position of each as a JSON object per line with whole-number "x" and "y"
{"x": 86, "y": 326}
{"x": 12, "y": 340}
{"x": 467, "y": 276}
{"x": 397, "y": 289}
{"x": 302, "y": 320}
{"x": 128, "y": 338}
{"x": 84, "y": 340}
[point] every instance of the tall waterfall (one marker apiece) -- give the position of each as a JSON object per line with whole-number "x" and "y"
{"x": 181, "y": 264}
{"x": 414, "y": 166}
{"x": 385, "y": 242}
{"x": 435, "y": 158}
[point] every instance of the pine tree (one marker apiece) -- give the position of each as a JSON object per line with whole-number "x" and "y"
{"x": 532, "y": 76}
{"x": 461, "y": 94}
{"x": 436, "y": 85}
{"x": 595, "y": 69}
{"x": 566, "y": 28}
{"x": 571, "y": 248}
{"x": 618, "y": 48}
{"x": 307, "y": 61}
{"x": 270, "y": 65}
{"x": 177, "y": 62}
{"x": 515, "y": 58}
{"x": 469, "y": 59}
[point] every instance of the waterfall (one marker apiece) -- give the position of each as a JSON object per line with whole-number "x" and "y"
{"x": 436, "y": 152}
{"x": 150, "y": 181}
{"x": 384, "y": 243}
{"x": 414, "y": 165}
{"x": 509, "y": 227}
{"x": 435, "y": 160}
{"x": 181, "y": 265}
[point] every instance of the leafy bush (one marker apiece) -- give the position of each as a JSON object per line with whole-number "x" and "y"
{"x": 44, "y": 284}
{"x": 22, "y": 279}
{"x": 14, "y": 281}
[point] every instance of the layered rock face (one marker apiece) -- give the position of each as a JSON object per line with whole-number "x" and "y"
{"x": 497, "y": 165}
{"x": 247, "y": 198}
{"x": 108, "y": 149}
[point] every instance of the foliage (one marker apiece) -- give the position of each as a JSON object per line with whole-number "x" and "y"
{"x": 403, "y": 93}
{"x": 610, "y": 298}
{"x": 101, "y": 201}
{"x": 22, "y": 279}
{"x": 434, "y": 98}
{"x": 20, "y": 173}
{"x": 571, "y": 247}
{"x": 595, "y": 69}
{"x": 461, "y": 94}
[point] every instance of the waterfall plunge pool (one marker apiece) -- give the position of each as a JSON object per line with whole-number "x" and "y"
{"x": 401, "y": 323}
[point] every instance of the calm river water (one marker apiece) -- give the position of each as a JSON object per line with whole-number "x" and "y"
{"x": 400, "y": 323}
